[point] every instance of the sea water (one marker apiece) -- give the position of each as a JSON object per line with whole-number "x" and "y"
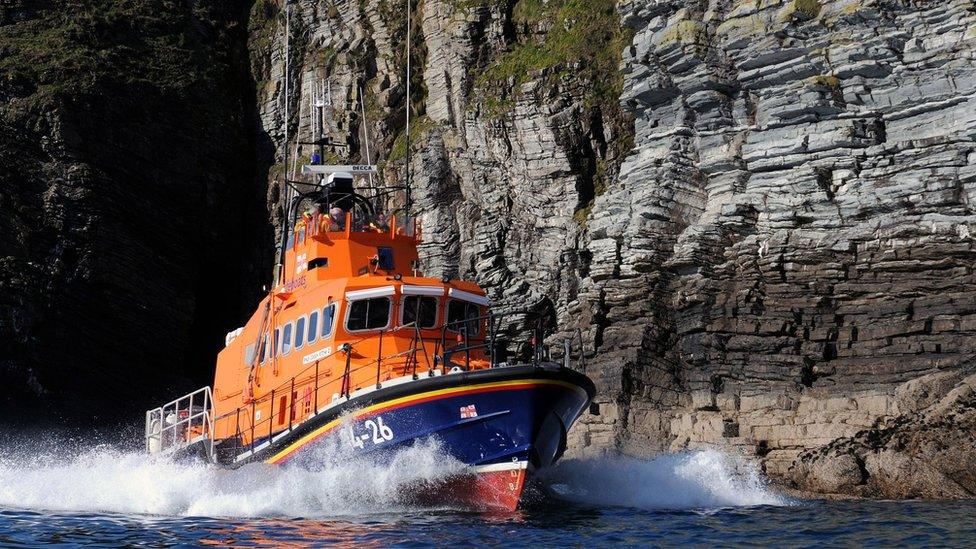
{"x": 104, "y": 495}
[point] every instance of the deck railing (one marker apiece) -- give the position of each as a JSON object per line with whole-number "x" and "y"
{"x": 492, "y": 333}
{"x": 177, "y": 424}
{"x": 304, "y": 388}
{"x": 243, "y": 431}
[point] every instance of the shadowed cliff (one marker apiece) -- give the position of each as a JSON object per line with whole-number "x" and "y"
{"x": 132, "y": 220}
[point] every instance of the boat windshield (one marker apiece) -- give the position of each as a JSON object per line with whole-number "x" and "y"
{"x": 459, "y": 311}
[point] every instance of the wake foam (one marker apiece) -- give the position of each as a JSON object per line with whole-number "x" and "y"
{"x": 694, "y": 480}
{"x": 104, "y": 479}
{"x": 331, "y": 483}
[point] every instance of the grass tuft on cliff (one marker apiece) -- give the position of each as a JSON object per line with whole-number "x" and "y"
{"x": 576, "y": 38}
{"x": 81, "y": 45}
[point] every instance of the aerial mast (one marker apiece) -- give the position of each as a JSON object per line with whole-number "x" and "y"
{"x": 407, "y": 137}
{"x": 286, "y": 190}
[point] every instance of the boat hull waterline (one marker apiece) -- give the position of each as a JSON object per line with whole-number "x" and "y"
{"x": 501, "y": 423}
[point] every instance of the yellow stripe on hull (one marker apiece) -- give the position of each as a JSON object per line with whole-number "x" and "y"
{"x": 277, "y": 458}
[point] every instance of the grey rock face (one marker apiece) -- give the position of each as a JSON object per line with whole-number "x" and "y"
{"x": 788, "y": 247}
{"x": 782, "y": 264}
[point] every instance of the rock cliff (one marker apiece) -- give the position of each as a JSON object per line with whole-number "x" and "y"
{"x": 788, "y": 249}
{"x": 762, "y": 229}
{"x": 757, "y": 213}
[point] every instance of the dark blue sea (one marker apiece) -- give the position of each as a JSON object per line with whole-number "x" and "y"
{"x": 104, "y": 496}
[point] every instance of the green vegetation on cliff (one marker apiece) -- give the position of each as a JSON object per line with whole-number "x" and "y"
{"x": 82, "y": 44}
{"x": 582, "y": 38}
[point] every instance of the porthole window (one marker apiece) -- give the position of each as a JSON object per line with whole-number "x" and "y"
{"x": 300, "y": 333}
{"x": 420, "y": 309}
{"x": 313, "y": 327}
{"x": 328, "y": 320}
{"x": 368, "y": 314}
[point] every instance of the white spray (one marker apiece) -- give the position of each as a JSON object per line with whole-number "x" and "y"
{"x": 105, "y": 479}
{"x": 695, "y": 480}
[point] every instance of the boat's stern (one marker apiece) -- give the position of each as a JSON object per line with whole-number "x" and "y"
{"x": 182, "y": 424}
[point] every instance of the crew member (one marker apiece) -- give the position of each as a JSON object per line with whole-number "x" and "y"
{"x": 380, "y": 224}
{"x": 337, "y": 220}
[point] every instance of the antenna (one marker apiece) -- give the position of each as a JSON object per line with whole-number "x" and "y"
{"x": 318, "y": 118}
{"x": 319, "y": 100}
{"x": 362, "y": 107}
{"x": 407, "y": 137}
{"x": 297, "y": 145}
{"x": 286, "y": 194}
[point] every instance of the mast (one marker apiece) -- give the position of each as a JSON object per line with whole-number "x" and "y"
{"x": 362, "y": 108}
{"x": 285, "y": 194}
{"x": 287, "y": 54}
{"x": 407, "y": 138}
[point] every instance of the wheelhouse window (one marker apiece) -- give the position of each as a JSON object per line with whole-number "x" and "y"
{"x": 385, "y": 256}
{"x": 265, "y": 348}
{"x": 328, "y": 320}
{"x": 277, "y": 342}
{"x": 249, "y": 354}
{"x": 300, "y": 333}
{"x": 421, "y": 309}
{"x": 459, "y": 311}
{"x": 313, "y": 327}
{"x": 368, "y": 314}
{"x": 286, "y": 338}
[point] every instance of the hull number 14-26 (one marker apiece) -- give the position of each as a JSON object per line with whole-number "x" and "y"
{"x": 377, "y": 432}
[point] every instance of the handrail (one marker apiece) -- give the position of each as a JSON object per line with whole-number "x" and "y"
{"x": 492, "y": 326}
{"x": 310, "y": 379}
{"x": 178, "y": 423}
{"x": 300, "y": 380}
{"x": 333, "y": 353}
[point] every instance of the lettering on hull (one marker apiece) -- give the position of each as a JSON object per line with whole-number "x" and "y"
{"x": 320, "y": 354}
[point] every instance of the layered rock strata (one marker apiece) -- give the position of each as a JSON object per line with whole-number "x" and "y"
{"x": 787, "y": 252}
{"x": 780, "y": 262}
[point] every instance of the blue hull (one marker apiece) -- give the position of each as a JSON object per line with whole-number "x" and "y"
{"x": 503, "y": 415}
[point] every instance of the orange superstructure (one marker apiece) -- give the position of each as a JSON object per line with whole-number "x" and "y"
{"x": 351, "y": 299}
{"x": 355, "y": 346}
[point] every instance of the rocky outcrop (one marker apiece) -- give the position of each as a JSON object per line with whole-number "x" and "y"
{"x": 788, "y": 248}
{"x": 925, "y": 454}
{"x": 125, "y": 180}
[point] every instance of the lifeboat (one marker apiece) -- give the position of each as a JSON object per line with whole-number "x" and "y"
{"x": 354, "y": 348}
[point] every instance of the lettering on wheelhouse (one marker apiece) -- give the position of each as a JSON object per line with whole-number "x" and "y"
{"x": 317, "y": 355}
